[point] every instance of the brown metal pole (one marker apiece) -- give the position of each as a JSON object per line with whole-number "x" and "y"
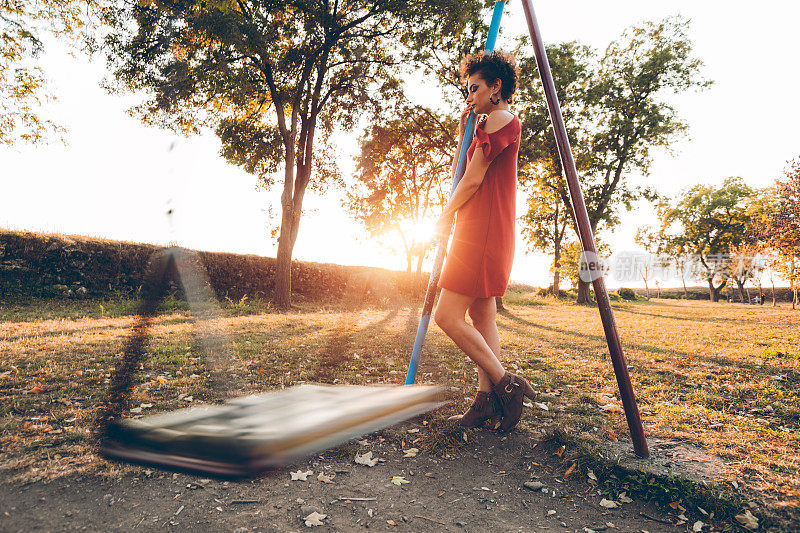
{"x": 586, "y": 237}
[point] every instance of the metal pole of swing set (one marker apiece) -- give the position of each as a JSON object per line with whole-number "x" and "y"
{"x": 461, "y": 167}
{"x": 590, "y": 262}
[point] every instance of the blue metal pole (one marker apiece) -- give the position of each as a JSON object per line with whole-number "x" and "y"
{"x": 461, "y": 166}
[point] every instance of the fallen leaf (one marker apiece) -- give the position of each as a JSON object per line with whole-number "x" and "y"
{"x": 399, "y": 480}
{"x": 698, "y": 526}
{"x": 608, "y": 504}
{"x": 411, "y": 452}
{"x": 391, "y": 522}
{"x": 677, "y": 505}
{"x": 542, "y": 406}
{"x": 323, "y": 478}
{"x": 560, "y": 451}
{"x": 300, "y": 475}
{"x": 591, "y": 475}
{"x": 747, "y": 520}
{"x": 36, "y": 389}
{"x": 551, "y": 512}
{"x": 570, "y": 470}
{"x": 414, "y": 430}
{"x": 366, "y": 459}
{"x": 623, "y": 497}
{"x": 315, "y": 519}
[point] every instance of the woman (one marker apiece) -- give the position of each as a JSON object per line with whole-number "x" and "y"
{"x": 479, "y": 260}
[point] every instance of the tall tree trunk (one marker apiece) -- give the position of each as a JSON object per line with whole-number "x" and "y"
{"x": 685, "y": 290}
{"x": 774, "y": 300}
{"x": 557, "y": 271}
{"x": 498, "y": 300}
{"x": 282, "y": 297}
{"x": 740, "y": 285}
{"x": 557, "y": 237}
{"x": 713, "y": 292}
{"x": 584, "y": 296}
{"x": 420, "y": 258}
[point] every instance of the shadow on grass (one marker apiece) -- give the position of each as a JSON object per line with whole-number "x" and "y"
{"x": 597, "y": 338}
{"x": 679, "y": 308}
{"x": 69, "y": 332}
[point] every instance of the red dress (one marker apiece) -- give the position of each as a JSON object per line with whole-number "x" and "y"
{"x": 482, "y": 250}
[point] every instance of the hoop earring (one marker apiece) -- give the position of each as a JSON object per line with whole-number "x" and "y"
{"x": 493, "y": 101}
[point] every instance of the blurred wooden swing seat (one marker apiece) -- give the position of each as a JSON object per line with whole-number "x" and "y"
{"x": 243, "y": 436}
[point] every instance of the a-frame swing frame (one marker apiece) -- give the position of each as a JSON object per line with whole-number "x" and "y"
{"x": 590, "y": 263}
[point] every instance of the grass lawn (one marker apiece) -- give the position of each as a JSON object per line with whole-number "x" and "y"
{"x": 725, "y": 377}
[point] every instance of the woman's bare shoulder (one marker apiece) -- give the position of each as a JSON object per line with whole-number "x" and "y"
{"x": 497, "y": 119}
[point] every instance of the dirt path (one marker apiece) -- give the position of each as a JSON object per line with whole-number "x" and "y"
{"x": 478, "y": 488}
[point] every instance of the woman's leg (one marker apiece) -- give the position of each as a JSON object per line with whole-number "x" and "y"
{"x": 450, "y": 315}
{"x": 483, "y": 313}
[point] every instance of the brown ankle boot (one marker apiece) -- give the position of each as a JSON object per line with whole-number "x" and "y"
{"x": 485, "y": 406}
{"x": 510, "y": 390}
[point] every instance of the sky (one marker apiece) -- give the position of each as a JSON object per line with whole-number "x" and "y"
{"x": 115, "y": 178}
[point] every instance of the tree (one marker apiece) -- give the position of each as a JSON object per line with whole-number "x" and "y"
{"x": 270, "y": 78}
{"x": 627, "y": 116}
{"x": 23, "y": 88}
{"x": 708, "y": 222}
{"x": 549, "y": 213}
{"x": 745, "y": 265}
{"x": 780, "y": 228}
{"x": 647, "y": 239}
{"x": 402, "y": 179}
{"x": 440, "y": 59}
{"x": 544, "y": 226}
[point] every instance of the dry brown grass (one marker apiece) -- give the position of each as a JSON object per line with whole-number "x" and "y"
{"x": 721, "y": 376}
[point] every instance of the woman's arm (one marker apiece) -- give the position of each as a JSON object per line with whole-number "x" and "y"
{"x": 473, "y": 176}
{"x": 469, "y": 184}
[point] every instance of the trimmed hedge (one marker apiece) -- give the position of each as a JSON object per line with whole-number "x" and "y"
{"x": 33, "y": 264}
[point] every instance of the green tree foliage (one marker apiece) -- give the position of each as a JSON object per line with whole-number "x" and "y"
{"x": 23, "y": 88}
{"x": 620, "y": 113}
{"x": 441, "y": 57}
{"x": 403, "y": 172}
{"x": 269, "y": 77}
{"x": 708, "y": 222}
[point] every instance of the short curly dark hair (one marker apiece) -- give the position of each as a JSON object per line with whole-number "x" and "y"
{"x": 492, "y": 66}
